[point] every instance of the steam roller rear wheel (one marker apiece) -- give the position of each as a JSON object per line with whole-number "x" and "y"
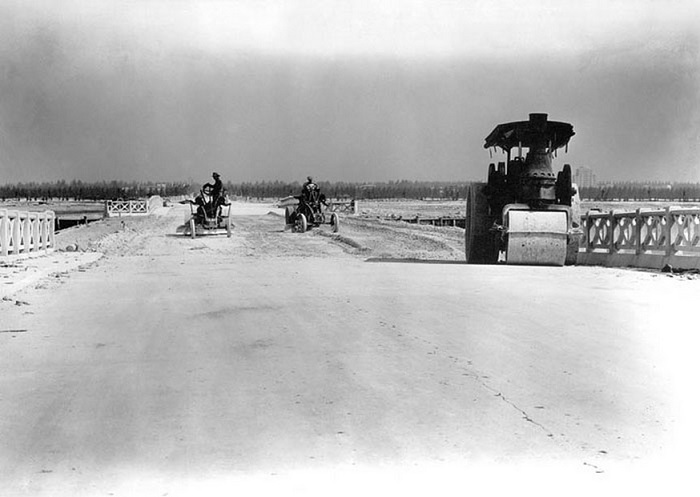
{"x": 479, "y": 243}
{"x": 563, "y": 186}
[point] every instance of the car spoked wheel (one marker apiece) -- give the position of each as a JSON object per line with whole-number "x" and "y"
{"x": 300, "y": 223}
{"x": 334, "y": 222}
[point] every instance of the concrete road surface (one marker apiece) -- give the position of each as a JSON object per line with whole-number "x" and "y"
{"x": 275, "y": 361}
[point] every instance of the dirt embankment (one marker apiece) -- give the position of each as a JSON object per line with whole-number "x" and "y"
{"x": 114, "y": 236}
{"x": 395, "y": 239}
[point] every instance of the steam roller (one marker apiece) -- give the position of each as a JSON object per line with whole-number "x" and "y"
{"x": 524, "y": 213}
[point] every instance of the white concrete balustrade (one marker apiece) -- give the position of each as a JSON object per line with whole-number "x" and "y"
{"x": 642, "y": 238}
{"x": 143, "y": 207}
{"x": 22, "y": 232}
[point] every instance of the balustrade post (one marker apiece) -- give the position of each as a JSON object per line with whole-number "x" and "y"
{"x": 667, "y": 231}
{"x": 28, "y": 233}
{"x": 44, "y": 231}
{"x": 587, "y": 224}
{"x": 39, "y": 230}
{"x": 611, "y": 233}
{"x": 36, "y": 231}
{"x": 16, "y": 234}
{"x": 51, "y": 229}
{"x": 638, "y": 231}
{"x": 4, "y": 235}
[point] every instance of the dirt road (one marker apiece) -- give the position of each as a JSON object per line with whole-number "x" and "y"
{"x": 271, "y": 359}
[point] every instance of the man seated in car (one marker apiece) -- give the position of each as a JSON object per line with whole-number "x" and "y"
{"x": 308, "y": 189}
{"x": 216, "y": 190}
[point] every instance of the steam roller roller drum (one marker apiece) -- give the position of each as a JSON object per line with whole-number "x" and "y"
{"x": 536, "y": 237}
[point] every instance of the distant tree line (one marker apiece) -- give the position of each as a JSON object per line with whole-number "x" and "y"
{"x": 679, "y": 192}
{"x": 390, "y": 189}
{"x": 78, "y": 190}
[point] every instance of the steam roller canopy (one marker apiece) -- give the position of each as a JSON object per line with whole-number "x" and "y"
{"x": 536, "y": 237}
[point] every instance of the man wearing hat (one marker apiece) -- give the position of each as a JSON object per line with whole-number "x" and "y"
{"x": 308, "y": 188}
{"x": 216, "y": 187}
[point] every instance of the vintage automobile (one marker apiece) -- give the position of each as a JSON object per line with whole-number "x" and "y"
{"x": 302, "y": 212}
{"x": 208, "y": 216}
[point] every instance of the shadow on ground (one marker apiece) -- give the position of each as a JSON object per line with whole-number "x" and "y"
{"x": 413, "y": 261}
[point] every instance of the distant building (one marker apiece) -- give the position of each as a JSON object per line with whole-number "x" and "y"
{"x": 584, "y": 177}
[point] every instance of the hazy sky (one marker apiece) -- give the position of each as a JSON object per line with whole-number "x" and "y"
{"x": 344, "y": 90}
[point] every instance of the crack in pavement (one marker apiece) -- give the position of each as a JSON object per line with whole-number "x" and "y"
{"x": 596, "y": 468}
{"x": 480, "y": 379}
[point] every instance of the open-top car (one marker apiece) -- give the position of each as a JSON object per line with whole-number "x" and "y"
{"x": 303, "y": 212}
{"x": 208, "y": 215}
